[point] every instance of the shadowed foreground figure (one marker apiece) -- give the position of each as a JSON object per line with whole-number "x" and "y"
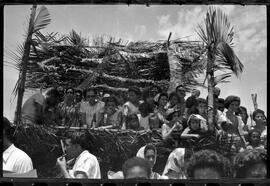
{"x": 136, "y": 168}
{"x": 250, "y": 163}
{"x": 208, "y": 164}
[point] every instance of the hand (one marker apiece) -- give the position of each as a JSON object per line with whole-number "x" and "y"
{"x": 61, "y": 162}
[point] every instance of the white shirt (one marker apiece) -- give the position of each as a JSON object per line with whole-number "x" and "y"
{"x": 87, "y": 163}
{"x": 90, "y": 110}
{"x": 176, "y": 163}
{"x": 17, "y": 161}
{"x": 144, "y": 121}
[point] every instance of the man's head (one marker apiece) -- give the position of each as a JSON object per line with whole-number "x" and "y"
{"x": 221, "y": 106}
{"x": 7, "y": 132}
{"x": 52, "y": 97}
{"x": 181, "y": 91}
{"x": 134, "y": 94}
{"x": 74, "y": 145}
{"x": 91, "y": 95}
{"x": 250, "y": 163}
{"x": 69, "y": 94}
{"x": 78, "y": 96}
{"x": 150, "y": 154}
{"x": 208, "y": 164}
{"x": 232, "y": 103}
{"x": 216, "y": 91}
{"x": 201, "y": 106}
{"x": 136, "y": 168}
{"x": 258, "y": 116}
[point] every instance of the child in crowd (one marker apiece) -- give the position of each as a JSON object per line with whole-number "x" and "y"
{"x": 254, "y": 140}
{"x": 132, "y": 122}
{"x": 196, "y": 127}
{"x": 174, "y": 126}
{"x": 136, "y": 168}
{"x": 161, "y": 110}
{"x": 145, "y": 110}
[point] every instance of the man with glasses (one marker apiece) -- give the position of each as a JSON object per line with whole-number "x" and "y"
{"x": 91, "y": 107}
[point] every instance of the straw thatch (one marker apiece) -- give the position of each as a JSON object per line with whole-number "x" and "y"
{"x": 72, "y": 61}
{"x": 112, "y": 147}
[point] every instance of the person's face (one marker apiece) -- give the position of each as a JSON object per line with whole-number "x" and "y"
{"x": 194, "y": 124}
{"x": 70, "y": 94}
{"x": 151, "y": 157}
{"x": 137, "y": 172}
{"x": 221, "y": 106}
{"x": 259, "y": 117}
{"x": 175, "y": 116}
{"x": 154, "y": 91}
{"x": 202, "y": 108}
{"x": 133, "y": 97}
{"x": 173, "y": 100}
{"x": 134, "y": 122}
{"x": 255, "y": 138}
{"x": 257, "y": 171}
{"x": 91, "y": 97}
{"x": 181, "y": 92}
{"x": 163, "y": 101}
{"x": 234, "y": 106}
{"x": 216, "y": 91}
{"x": 206, "y": 173}
{"x": 71, "y": 149}
{"x": 111, "y": 107}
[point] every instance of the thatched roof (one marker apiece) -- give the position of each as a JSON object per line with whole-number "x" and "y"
{"x": 70, "y": 61}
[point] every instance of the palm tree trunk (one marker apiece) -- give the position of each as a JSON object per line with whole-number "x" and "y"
{"x": 25, "y": 58}
{"x": 210, "y": 77}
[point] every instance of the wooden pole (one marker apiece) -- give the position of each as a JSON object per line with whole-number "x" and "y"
{"x": 25, "y": 58}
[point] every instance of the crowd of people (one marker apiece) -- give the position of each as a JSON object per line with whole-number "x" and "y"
{"x": 175, "y": 117}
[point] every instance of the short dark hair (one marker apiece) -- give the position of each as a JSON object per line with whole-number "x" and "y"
{"x": 53, "y": 92}
{"x": 136, "y": 161}
{"x": 231, "y": 99}
{"x": 209, "y": 159}
{"x": 150, "y": 147}
{"x": 246, "y": 159}
{"x": 136, "y": 90}
{"x": 82, "y": 140}
{"x": 221, "y": 100}
{"x": 170, "y": 116}
{"x": 257, "y": 112}
{"x": 8, "y": 130}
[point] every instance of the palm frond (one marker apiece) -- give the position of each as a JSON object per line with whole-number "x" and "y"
{"x": 221, "y": 78}
{"x": 42, "y": 19}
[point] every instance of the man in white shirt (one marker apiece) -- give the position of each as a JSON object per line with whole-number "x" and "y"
{"x": 86, "y": 164}
{"x": 14, "y": 159}
{"x": 91, "y": 107}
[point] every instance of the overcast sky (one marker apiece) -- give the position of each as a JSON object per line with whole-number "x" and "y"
{"x": 133, "y": 23}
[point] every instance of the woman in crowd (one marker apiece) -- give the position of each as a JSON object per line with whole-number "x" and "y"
{"x": 111, "y": 116}
{"x": 161, "y": 110}
{"x": 250, "y": 163}
{"x": 174, "y": 102}
{"x": 208, "y": 164}
{"x": 132, "y": 122}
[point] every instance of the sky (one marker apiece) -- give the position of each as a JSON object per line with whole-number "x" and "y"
{"x": 138, "y": 22}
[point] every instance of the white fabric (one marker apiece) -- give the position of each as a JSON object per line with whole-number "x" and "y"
{"x": 16, "y": 160}
{"x": 129, "y": 108}
{"x": 29, "y": 107}
{"x": 87, "y": 163}
{"x": 91, "y": 110}
{"x": 140, "y": 152}
{"x": 144, "y": 121}
{"x": 175, "y": 162}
